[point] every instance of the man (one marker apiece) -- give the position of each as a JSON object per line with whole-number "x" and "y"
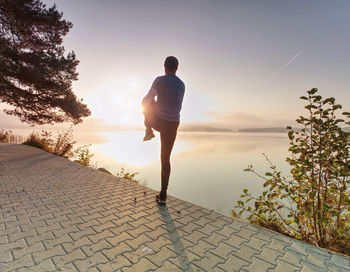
{"x": 163, "y": 115}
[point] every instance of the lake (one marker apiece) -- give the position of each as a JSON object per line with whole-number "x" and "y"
{"x": 207, "y": 168}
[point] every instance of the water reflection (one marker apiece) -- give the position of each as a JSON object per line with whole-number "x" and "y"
{"x": 207, "y": 168}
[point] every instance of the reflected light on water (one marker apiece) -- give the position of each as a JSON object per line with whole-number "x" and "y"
{"x": 128, "y": 147}
{"x": 207, "y": 168}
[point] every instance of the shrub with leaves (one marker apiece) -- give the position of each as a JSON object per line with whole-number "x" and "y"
{"x": 60, "y": 145}
{"x": 312, "y": 204}
{"x": 42, "y": 140}
{"x": 64, "y": 143}
{"x": 128, "y": 175}
{"x": 4, "y": 136}
{"x": 83, "y": 155}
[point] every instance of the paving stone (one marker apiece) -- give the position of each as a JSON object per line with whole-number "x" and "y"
{"x": 209, "y": 229}
{"x": 15, "y": 236}
{"x": 195, "y": 236}
{"x": 137, "y": 242}
{"x": 201, "y": 247}
{"x": 156, "y": 245}
{"x": 226, "y": 231}
{"x": 245, "y": 252}
{"x": 14, "y": 265}
{"x": 19, "y": 252}
{"x": 44, "y": 266}
{"x": 293, "y": 257}
{"x": 208, "y": 262}
{"x": 102, "y": 227}
{"x": 57, "y": 241}
{"x": 119, "y": 229}
{"x": 116, "y": 240}
{"x": 143, "y": 265}
{"x": 114, "y": 265}
{"x": 246, "y": 233}
{"x": 136, "y": 232}
{"x": 259, "y": 265}
{"x": 168, "y": 267}
{"x": 277, "y": 245}
{"x": 184, "y": 260}
{"x": 159, "y": 257}
{"x": 5, "y": 257}
{"x": 335, "y": 268}
{"x": 214, "y": 238}
{"x": 100, "y": 236}
{"x": 223, "y": 250}
{"x": 82, "y": 233}
{"x": 264, "y": 235}
{"x": 77, "y": 254}
{"x": 90, "y": 262}
{"x": 49, "y": 253}
{"x": 269, "y": 255}
{"x": 299, "y": 247}
{"x": 308, "y": 267}
{"x": 235, "y": 241}
{"x": 256, "y": 243}
{"x": 318, "y": 259}
{"x": 234, "y": 263}
{"x": 114, "y": 252}
{"x": 10, "y": 246}
{"x": 90, "y": 250}
{"x": 68, "y": 229}
{"x": 285, "y": 267}
{"x": 339, "y": 261}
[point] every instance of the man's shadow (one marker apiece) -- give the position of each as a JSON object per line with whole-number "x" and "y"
{"x": 174, "y": 237}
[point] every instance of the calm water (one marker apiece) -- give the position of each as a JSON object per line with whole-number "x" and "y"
{"x": 207, "y": 168}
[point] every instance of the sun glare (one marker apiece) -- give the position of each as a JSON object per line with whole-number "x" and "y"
{"x": 119, "y": 102}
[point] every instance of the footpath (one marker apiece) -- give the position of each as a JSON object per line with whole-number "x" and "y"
{"x": 56, "y": 215}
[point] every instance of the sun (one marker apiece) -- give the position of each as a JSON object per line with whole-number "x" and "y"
{"x": 118, "y": 102}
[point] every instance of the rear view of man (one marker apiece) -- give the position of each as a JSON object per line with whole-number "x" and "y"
{"x": 163, "y": 115}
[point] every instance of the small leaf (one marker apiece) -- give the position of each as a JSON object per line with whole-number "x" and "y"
{"x": 312, "y": 91}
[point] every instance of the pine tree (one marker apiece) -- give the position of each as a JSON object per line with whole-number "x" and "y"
{"x": 35, "y": 75}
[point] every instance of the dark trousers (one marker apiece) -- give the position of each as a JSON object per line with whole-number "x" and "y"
{"x": 168, "y": 131}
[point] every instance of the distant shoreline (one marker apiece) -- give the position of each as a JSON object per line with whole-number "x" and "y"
{"x": 265, "y": 130}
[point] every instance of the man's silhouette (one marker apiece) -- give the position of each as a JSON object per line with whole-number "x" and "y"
{"x": 163, "y": 115}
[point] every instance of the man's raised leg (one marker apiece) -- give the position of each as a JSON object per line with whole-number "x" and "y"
{"x": 149, "y": 120}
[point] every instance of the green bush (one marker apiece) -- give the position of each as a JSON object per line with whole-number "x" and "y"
{"x": 312, "y": 204}
{"x": 128, "y": 175}
{"x": 83, "y": 155}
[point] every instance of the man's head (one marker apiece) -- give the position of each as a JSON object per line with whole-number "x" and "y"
{"x": 170, "y": 65}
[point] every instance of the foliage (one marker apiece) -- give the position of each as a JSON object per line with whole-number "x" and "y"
{"x": 312, "y": 204}
{"x": 128, "y": 175}
{"x": 4, "y": 136}
{"x": 35, "y": 140}
{"x": 35, "y": 75}
{"x": 83, "y": 155}
{"x": 62, "y": 145}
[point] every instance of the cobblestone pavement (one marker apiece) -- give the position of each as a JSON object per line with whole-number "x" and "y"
{"x": 57, "y": 215}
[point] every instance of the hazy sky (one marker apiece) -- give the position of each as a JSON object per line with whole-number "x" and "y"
{"x": 244, "y": 63}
